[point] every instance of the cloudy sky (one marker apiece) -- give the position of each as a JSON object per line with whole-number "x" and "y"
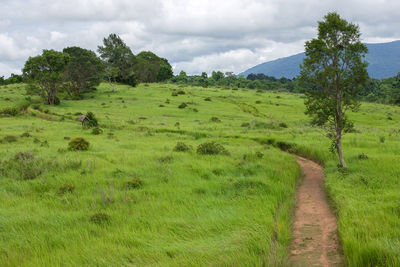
{"x": 194, "y": 35}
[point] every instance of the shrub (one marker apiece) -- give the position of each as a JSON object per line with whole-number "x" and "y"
{"x": 23, "y": 166}
{"x": 207, "y": 99}
{"x": 245, "y": 124}
{"x": 181, "y": 92}
{"x": 362, "y": 156}
{"x": 10, "y": 138}
{"x": 215, "y": 119}
{"x": 166, "y": 159}
{"x": 161, "y": 105}
{"x": 181, "y": 147}
{"x": 211, "y": 148}
{"x": 26, "y": 134}
{"x": 136, "y": 183}
{"x": 97, "y": 131}
{"x": 283, "y": 125}
{"x": 10, "y": 111}
{"x": 78, "y": 143}
{"x": 100, "y": 218}
{"x": 258, "y": 102}
{"x": 183, "y": 105}
{"x": 382, "y": 139}
{"x": 92, "y": 119}
{"x": 174, "y": 94}
{"x": 66, "y": 188}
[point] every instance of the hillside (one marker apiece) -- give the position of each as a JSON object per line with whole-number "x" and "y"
{"x": 137, "y": 198}
{"x": 383, "y": 58}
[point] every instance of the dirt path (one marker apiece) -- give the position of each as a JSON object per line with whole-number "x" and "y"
{"x": 315, "y": 240}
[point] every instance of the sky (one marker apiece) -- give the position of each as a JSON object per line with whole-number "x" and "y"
{"x": 194, "y": 35}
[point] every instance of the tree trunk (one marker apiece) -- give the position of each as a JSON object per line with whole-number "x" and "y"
{"x": 339, "y": 149}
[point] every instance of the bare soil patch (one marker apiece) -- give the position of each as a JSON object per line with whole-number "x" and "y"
{"x": 315, "y": 240}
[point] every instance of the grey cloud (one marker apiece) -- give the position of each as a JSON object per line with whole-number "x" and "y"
{"x": 196, "y": 35}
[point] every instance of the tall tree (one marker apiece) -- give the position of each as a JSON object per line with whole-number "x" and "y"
{"x": 335, "y": 66}
{"x": 47, "y": 72}
{"x": 117, "y": 55}
{"x": 84, "y": 70}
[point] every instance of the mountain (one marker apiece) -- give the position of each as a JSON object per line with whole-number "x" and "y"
{"x": 383, "y": 58}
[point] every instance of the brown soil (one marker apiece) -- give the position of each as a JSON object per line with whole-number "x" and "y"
{"x": 315, "y": 241}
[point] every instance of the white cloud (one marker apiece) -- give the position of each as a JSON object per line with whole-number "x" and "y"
{"x": 195, "y": 35}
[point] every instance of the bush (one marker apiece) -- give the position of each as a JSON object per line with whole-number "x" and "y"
{"x": 26, "y": 134}
{"x": 207, "y": 99}
{"x": 78, "y": 143}
{"x": 92, "y": 119}
{"x": 23, "y": 166}
{"x": 258, "y": 102}
{"x": 136, "y": 183}
{"x": 10, "y": 112}
{"x": 174, "y": 94}
{"x": 183, "y": 105}
{"x": 283, "y": 125}
{"x": 215, "y": 119}
{"x": 10, "y": 138}
{"x": 245, "y": 124}
{"x": 97, "y": 131}
{"x": 66, "y": 188}
{"x": 181, "y": 147}
{"x": 100, "y": 218}
{"x": 181, "y": 92}
{"x": 211, "y": 148}
{"x": 362, "y": 156}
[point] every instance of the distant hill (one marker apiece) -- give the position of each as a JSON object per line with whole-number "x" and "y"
{"x": 383, "y": 58}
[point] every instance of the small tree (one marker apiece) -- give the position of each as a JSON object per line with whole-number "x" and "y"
{"x": 47, "y": 71}
{"x": 335, "y": 68}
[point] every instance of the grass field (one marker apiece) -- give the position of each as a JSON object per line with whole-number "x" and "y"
{"x": 131, "y": 200}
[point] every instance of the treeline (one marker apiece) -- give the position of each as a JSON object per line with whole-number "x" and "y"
{"x": 386, "y": 91}
{"x": 76, "y": 70}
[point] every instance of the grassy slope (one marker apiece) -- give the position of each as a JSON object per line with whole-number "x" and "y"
{"x": 195, "y": 209}
{"x": 192, "y": 209}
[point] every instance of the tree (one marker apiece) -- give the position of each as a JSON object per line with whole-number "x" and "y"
{"x": 151, "y": 68}
{"x": 84, "y": 70}
{"x": 335, "y": 67}
{"x": 117, "y": 55}
{"x": 47, "y": 72}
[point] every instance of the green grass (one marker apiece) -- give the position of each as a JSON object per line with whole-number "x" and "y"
{"x": 86, "y": 207}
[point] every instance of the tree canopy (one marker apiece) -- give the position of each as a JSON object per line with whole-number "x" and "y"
{"x": 118, "y": 56}
{"x": 335, "y": 68}
{"x": 47, "y": 72}
{"x": 84, "y": 70}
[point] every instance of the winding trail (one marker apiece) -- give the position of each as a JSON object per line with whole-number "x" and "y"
{"x": 315, "y": 241}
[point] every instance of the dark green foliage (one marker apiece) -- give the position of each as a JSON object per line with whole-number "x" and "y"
{"x": 119, "y": 60}
{"x": 92, "y": 120}
{"x": 211, "y": 148}
{"x": 258, "y": 102}
{"x": 182, "y": 105}
{"x": 207, "y": 99}
{"x": 181, "y": 92}
{"x": 10, "y": 138}
{"x": 10, "y": 111}
{"x": 97, "y": 131}
{"x": 362, "y": 156}
{"x": 283, "y": 125}
{"x": 100, "y": 218}
{"x": 335, "y": 68}
{"x": 84, "y": 71}
{"x": 173, "y": 94}
{"x": 215, "y": 119}
{"x": 181, "y": 147}
{"x": 26, "y": 134}
{"x": 135, "y": 183}
{"x": 245, "y": 124}
{"x": 151, "y": 68}
{"x": 78, "y": 143}
{"x": 46, "y": 72}
{"x": 66, "y": 188}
